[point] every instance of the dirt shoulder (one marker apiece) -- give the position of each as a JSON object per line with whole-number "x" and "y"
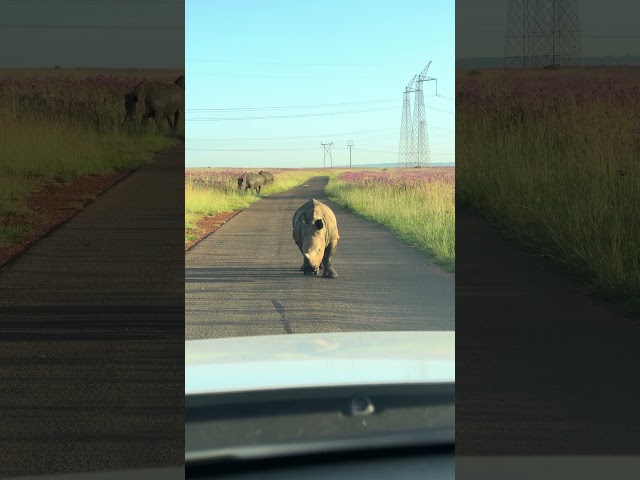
{"x": 207, "y": 225}
{"x": 53, "y": 205}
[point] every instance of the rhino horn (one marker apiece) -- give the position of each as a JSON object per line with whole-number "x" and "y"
{"x": 306, "y": 255}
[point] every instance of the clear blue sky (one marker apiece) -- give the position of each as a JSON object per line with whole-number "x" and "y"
{"x": 345, "y": 56}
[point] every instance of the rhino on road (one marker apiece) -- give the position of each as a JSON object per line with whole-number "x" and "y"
{"x": 158, "y": 100}
{"x": 180, "y": 81}
{"x": 315, "y": 231}
{"x": 251, "y": 181}
{"x": 267, "y": 177}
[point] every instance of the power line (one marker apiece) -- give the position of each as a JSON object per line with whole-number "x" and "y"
{"x": 501, "y": 32}
{"x": 277, "y": 63}
{"x": 298, "y": 150}
{"x": 390, "y": 152}
{"x": 303, "y": 115}
{"x": 439, "y": 95}
{"x": 610, "y": 36}
{"x": 293, "y": 137}
{"x": 91, "y": 3}
{"x": 223, "y": 75}
{"x": 441, "y": 110}
{"x": 95, "y": 27}
{"x": 320, "y": 105}
{"x": 250, "y": 149}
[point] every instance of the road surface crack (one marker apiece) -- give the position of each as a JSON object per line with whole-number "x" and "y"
{"x": 280, "y": 309}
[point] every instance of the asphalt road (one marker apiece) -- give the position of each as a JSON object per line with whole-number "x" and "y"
{"x": 92, "y": 334}
{"x": 245, "y": 278}
{"x": 541, "y": 367}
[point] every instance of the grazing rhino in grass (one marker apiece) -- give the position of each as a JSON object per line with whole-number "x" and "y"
{"x": 315, "y": 231}
{"x": 267, "y": 177}
{"x": 158, "y": 100}
{"x": 180, "y": 81}
{"x": 251, "y": 181}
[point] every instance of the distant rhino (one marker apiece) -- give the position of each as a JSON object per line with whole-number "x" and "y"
{"x": 251, "y": 181}
{"x": 158, "y": 100}
{"x": 267, "y": 177}
{"x": 315, "y": 231}
{"x": 180, "y": 81}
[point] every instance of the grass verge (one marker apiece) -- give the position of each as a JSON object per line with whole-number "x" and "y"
{"x": 422, "y": 214}
{"x": 37, "y": 153}
{"x": 556, "y": 165}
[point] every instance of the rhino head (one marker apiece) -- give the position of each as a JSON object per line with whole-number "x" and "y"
{"x": 132, "y": 107}
{"x": 313, "y": 243}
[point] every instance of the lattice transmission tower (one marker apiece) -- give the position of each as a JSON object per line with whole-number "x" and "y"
{"x": 542, "y": 33}
{"x": 414, "y": 142}
{"x": 405, "y": 151}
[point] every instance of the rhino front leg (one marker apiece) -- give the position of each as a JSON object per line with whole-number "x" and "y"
{"x": 327, "y": 261}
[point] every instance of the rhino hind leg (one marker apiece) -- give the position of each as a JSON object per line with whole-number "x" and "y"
{"x": 170, "y": 120}
{"x": 327, "y": 261}
{"x": 159, "y": 120}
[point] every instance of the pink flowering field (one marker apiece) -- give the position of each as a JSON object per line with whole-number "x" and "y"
{"x": 554, "y": 155}
{"x": 417, "y": 204}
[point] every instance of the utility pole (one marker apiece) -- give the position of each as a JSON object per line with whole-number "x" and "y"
{"x": 327, "y": 149}
{"x": 350, "y": 145}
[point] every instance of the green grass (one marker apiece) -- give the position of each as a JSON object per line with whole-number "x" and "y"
{"x": 60, "y": 125}
{"x": 551, "y": 177}
{"x": 209, "y": 192}
{"x": 423, "y": 216}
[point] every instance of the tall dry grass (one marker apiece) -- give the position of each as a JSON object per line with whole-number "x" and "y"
{"x": 416, "y": 204}
{"x": 554, "y": 156}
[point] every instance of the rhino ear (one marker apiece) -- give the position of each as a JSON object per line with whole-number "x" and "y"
{"x": 319, "y": 224}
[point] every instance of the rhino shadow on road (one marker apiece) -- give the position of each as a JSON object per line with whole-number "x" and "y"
{"x": 240, "y": 274}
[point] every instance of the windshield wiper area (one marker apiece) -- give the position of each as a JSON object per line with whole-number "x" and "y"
{"x": 441, "y": 438}
{"x": 227, "y": 429}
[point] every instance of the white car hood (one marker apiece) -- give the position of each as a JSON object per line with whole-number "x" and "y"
{"x": 273, "y": 362}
